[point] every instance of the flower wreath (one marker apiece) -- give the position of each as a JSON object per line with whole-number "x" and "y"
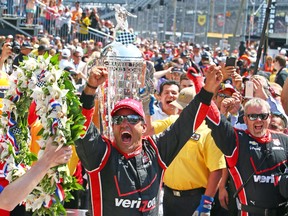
{"x": 57, "y": 106}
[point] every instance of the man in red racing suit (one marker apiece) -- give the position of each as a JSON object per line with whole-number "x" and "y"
{"x": 256, "y": 158}
{"x": 127, "y": 183}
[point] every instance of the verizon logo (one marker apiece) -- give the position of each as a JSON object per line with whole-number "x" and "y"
{"x": 142, "y": 205}
{"x": 264, "y": 179}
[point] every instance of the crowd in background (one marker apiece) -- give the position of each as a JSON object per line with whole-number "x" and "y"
{"x": 65, "y": 21}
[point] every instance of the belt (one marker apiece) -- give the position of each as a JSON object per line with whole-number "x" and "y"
{"x": 281, "y": 210}
{"x": 182, "y": 193}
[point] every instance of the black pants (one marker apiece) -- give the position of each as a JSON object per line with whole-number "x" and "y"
{"x": 183, "y": 205}
{"x": 187, "y": 203}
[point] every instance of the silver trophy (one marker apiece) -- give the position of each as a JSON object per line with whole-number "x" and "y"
{"x": 128, "y": 76}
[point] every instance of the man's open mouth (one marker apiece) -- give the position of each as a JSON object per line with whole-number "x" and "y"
{"x": 126, "y": 137}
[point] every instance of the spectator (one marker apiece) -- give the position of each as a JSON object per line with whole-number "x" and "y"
{"x": 80, "y": 66}
{"x": 196, "y": 53}
{"x": 184, "y": 184}
{"x": 84, "y": 24}
{"x": 176, "y": 73}
{"x": 242, "y": 48}
{"x": 66, "y": 25}
{"x": 42, "y": 50}
{"x": 169, "y": 91}
{"x": 30, "y": 11}
{"x": 268, "y": 66}
{"x": 6, "y": 52}
{"x": 185, "y": 81}
{"x": 76, "y": 12}
{"x": 280, "y": 66}
{"x": 278, "y": 122}
{"x": 49, "y": 16}
{"x": 95, "y": 20}
{"x": 25, "y": 50}
{"x": 65, "y": 59}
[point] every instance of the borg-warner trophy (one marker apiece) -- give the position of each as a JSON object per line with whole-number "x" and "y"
{"x": 128, "y": 75}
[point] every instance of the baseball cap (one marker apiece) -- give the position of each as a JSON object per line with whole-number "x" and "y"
{"x": 10, "y": 36}
{"x": 226, "y": 86}
{"x": 26, "y": 45}
{"x": 183, "y": 54}
{"x": 131, "y": 104}
{"x": 66, "y": 53}
{"x": 205, "y": 55}
{"x": 42, "y": 48}
{"x": 185, "y": 96}
{"x": 177, "y": 70}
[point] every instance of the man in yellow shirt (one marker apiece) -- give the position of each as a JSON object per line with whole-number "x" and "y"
{"x": 191, "y": 180}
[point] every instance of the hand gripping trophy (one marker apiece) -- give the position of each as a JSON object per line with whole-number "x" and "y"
{"x": 127, "y": 72}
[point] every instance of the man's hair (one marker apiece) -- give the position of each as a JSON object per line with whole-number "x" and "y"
{"x": 256, "y": 102}
{"x": 282, "y": 117}
{"x": 168, "y": 82}
{"x": 281, "y": 59}
{"x": 183, "y": 77}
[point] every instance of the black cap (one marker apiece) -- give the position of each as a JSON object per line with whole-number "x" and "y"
{"x": 177, "y": 70}
{"x": 43, "y": 48}
{"x": 26, "y": 45}
{"x": 204, "y": 55}
{"x": 183, "y": 54}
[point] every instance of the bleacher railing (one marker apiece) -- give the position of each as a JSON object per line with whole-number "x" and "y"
{"x": 47, "y": 21}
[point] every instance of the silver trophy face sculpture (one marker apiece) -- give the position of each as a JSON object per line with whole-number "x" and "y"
{"x": 127, "y": 74}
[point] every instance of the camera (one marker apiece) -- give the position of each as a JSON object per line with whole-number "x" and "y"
{"x": 15, "y": 47}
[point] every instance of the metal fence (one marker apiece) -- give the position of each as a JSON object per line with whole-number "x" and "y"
{"x": 48, "y": 21}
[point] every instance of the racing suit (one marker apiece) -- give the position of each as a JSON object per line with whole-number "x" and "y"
{"x": 129, "y": 184}
{"x": 254, "y": 165}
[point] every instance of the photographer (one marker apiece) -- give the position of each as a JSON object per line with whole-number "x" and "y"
{"x": 6, "y": 52}
{"x": 25, "y": 50}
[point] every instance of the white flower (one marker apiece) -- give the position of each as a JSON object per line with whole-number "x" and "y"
{"x": 30, "y": 64}
{"x": 35, "y": 202}
{"x": 8, "y": 105}
{"x": 56, "y": 92}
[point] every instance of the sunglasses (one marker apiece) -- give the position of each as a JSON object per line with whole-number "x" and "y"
{"x": 131, "y": 119}
{"x": 262, "y": 116}
{"x": 223, "y": 95}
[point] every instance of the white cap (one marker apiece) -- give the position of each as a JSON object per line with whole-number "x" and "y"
{"x": 79, "y": 50}
{"x": 283, "y": 52}
{"x": 66, "y": 53}
{"x": 10, "y": 36}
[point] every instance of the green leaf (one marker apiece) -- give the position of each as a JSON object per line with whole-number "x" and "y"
{"x": 55, "y": 59}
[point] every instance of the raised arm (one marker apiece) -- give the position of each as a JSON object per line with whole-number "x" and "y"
{"x": 190, "y": 118}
